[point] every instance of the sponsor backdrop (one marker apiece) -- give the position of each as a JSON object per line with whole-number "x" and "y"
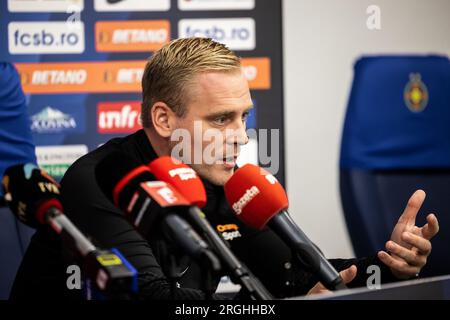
{"x": 81, "y": 64}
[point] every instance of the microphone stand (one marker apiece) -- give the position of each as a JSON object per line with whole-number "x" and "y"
{"x": 207, "y": 261}
{"x": 108, "y": 270}
{"x": 239, "y": 272}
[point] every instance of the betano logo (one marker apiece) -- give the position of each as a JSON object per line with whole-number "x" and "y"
{"x": 112, "y": 76}
{"x": 129, "y": 36}
{"x": 123, "y": 75}
{"x": 57, "y": 77}
{"x": 119, "y": 117}
{"x": 132, "y": 5}
{"x": 236, "y": 33}
{"x": 216, "y": 4}
{"x": 51, "y": 120}
{"x": 45, "y": 37}
{"x": 81, "y": 77}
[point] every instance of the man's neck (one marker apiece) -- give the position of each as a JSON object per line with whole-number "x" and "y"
{"x": 159, "y": 145}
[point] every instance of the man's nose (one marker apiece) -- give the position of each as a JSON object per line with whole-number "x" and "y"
{"x": 239, "y": 135}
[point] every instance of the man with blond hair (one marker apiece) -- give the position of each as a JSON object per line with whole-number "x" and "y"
{"x": 190, "y": 84}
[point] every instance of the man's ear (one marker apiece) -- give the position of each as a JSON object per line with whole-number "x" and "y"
{"x": 163, "y": 119}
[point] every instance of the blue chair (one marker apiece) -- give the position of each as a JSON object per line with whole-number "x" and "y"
{"x": 396, "y": 139}
{"x": 16, "y": 146}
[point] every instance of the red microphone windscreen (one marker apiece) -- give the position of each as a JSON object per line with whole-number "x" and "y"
{"x": 255, "y": 195}
{"x": 137, "y": 173}
{"x": 164, "y": 194}
{"x": 182, "y": 177}
{"x": 46, "y": 205}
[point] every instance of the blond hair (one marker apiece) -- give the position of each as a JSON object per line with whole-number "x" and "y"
{"x": 170, "y": 69}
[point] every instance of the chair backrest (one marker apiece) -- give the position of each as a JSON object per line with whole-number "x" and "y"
{"x": 396, "y": 139}
{"x": 16, "y": 146}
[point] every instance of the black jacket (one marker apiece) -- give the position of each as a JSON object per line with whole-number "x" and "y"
{"x": 43, "y": 270}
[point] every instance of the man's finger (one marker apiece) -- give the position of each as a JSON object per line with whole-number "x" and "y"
{"x": 430, "y": 229}
{"x": 318, "y": 289}
{"x": 413, "y": 206}
{"x": 422, "y": 244}
{"x": 348, "y": 274}
{"x": 398, "y": 265}
{"x": 417, "y": 231}
{"x": 410, "y": 256}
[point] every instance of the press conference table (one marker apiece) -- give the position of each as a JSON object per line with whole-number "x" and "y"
{"x": 434, "y": 288}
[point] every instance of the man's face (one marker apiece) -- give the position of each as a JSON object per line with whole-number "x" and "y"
{"x": 218, "y": 107}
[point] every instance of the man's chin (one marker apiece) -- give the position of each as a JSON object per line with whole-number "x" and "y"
{"x": 216, "y": 175}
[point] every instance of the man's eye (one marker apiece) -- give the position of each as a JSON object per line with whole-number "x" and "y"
{"x": 220, "y": 120}
{"x": 245, "y": 116}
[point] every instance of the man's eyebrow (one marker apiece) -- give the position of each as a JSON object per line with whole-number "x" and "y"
{"x": 226, "y": 113}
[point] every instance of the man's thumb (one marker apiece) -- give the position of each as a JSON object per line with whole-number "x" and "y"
{"x": 348, "y": 274}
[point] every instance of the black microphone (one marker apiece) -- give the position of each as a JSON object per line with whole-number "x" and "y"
{"x": 34, "y": 198}
{"x": 258, "y": 199}
{"x": 151, "y": 205}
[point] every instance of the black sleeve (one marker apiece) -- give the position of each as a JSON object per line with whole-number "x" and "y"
{"x": 303, "y": 280}
{"x": 271, "y": 260}
{"x": 89, "y": 209}
{"x": 363, "y": 273}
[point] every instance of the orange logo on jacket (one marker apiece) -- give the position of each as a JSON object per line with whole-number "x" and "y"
{"x": 229, "y": 231}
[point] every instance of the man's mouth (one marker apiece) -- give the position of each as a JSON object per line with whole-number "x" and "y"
{"x": 230, "y": 162}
